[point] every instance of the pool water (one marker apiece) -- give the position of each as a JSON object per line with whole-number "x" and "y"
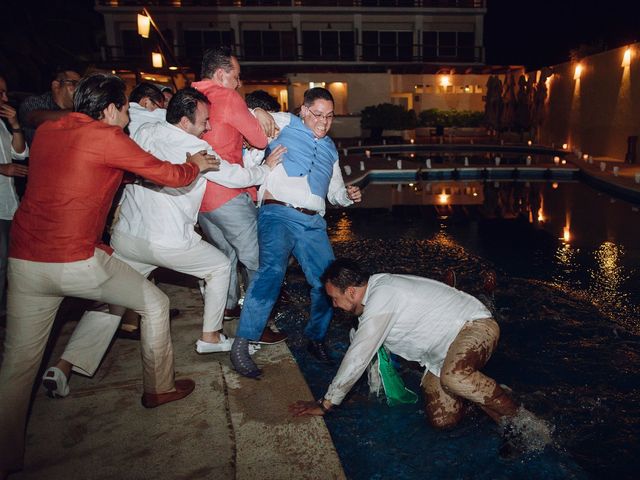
{"x": 567, "y": 259}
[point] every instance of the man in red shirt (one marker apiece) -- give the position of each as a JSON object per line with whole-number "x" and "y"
{"x": 228, "y": 216}
{"x": 77, "y": 163}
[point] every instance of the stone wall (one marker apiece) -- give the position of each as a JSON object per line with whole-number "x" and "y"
{"x": 597, "y": 112}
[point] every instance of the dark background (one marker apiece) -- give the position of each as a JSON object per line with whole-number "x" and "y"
{"x": 38, "y": 34}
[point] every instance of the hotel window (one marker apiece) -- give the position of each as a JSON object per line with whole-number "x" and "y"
{"x": 269, "y": 45}
{"x": 197, "y": 41}
{"x": 458, "y": 45}
{"x": 328, "y": 45}
{"x": 387, "y": 45}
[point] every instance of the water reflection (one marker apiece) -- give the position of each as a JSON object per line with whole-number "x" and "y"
{"x": 565, "y": 258}
{"x": 342, "y": 231}
{"x": 606, "y": 288}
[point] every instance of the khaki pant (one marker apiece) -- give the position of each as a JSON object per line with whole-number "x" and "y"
{"x": 36, "y": 290}
{"x": 460, "y": 377}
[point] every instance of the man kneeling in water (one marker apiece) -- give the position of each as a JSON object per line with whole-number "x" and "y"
{"x": 447, "y": 331}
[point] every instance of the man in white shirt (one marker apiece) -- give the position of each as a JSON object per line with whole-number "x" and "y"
{"x": 447, "y": 331}
{"x": 155, "y": 229}
{"x": 146, "y": 105}
{"x": 12, "y": 147}
{"x": 290, "y": 221}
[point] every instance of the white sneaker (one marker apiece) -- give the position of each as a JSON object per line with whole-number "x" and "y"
{"x": 55, "y": 382}
{"x": 224, "y": 345}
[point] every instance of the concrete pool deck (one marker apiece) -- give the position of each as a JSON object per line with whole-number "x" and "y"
{"x": 229, "y": 427}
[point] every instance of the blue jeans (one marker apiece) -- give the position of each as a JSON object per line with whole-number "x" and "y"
{"x": 281, "y": 232}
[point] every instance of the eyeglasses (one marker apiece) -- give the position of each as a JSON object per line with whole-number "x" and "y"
{"x": 328, "y": 116}
{"x": 73, "y": 83}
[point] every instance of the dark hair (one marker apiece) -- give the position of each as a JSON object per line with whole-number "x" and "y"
{"x": 215, "y": 58}
{"x": 313, "y": 94}
{"x": 59, "y": 72}
{"x": 165, "y": 88}
{"x": 96, "y": 92}
{"x": 184, "y": 104}
{"x": 262, "y": 99}
{"x": 146, "y": 89}
{"x": 344, "y": 272}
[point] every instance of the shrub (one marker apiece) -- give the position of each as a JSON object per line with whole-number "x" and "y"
{"x": 450, "y": 118}
{"x": 386, "y": 116}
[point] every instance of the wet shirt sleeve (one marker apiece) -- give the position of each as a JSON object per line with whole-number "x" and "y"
{"x": 375, "y": 324}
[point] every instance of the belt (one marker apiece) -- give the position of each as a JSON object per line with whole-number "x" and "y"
{"x": 271, "y": 201}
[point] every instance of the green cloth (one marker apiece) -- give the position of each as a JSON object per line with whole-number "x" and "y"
{"x": 394, "y": 388}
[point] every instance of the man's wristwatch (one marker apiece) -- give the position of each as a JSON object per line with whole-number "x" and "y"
{"x": 322, "y": 407}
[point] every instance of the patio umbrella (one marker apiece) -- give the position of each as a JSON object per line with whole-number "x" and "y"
{"x": 539, "y": 98}
{"x": 493, "y": 102}
{"x": 507, "y": 119}
{"x": 523, "y": 105}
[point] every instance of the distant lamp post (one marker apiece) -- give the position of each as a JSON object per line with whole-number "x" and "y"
{"x": 156, "y": 60}
{"x": 144, "y": 26}
{"x": 626, "y": 59}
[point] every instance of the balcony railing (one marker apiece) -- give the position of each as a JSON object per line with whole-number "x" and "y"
{"x": 267, "y": 54}
{"x": 298, "y": 3}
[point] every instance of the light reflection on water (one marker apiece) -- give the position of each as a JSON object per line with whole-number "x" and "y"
{"x": 606, "y": 286}
{"x": 575, "y": 238}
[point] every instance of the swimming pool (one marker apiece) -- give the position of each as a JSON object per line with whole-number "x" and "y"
{"x": 567, "y": 258}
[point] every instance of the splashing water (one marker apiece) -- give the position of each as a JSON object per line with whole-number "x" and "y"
{"x": 526, "y": 432}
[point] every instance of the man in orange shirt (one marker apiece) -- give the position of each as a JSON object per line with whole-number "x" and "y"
{"x": 228, "y": 216}
{"x": 77, "y": 163}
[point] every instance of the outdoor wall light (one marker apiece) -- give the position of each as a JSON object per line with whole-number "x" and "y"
{"x": 577, "y": 72}
{"x": 626, "y": 59}
{"x": 144, "y": 26}
{"x": 156, "y": 60}
{"x": 564, "y": 146}
{"x": 445, "y": 81}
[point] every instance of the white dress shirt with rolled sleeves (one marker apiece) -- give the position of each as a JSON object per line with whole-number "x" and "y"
{"x": 166, "y": 216}
{"x": 414, "y": 317}
{"x": 296, "y": 190}
{"x": 8, "y": 197}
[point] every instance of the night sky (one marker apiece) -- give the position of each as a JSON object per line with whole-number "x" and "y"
{"x": 539, "y": 33}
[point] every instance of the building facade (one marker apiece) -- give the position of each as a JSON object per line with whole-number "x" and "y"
{"x": 417, "y": 53}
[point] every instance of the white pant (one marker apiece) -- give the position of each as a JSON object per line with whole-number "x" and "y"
{"x": 36, "y": 290}
{"x": 203, "y": 261}
{"x": 87, "y": 346}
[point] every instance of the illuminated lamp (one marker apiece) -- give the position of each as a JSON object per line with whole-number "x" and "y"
{"x": 144, "y": 26}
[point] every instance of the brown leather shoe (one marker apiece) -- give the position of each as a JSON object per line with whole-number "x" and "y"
{"x": 183, "y": 388}
{"x": 269, "y": 337}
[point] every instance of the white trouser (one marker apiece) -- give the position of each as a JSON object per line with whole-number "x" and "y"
{"x": 203, "y": 261}
{"x": 87, "y": 346}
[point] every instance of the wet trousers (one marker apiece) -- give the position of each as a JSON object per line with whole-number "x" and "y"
{"x": 460, "y": 377}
